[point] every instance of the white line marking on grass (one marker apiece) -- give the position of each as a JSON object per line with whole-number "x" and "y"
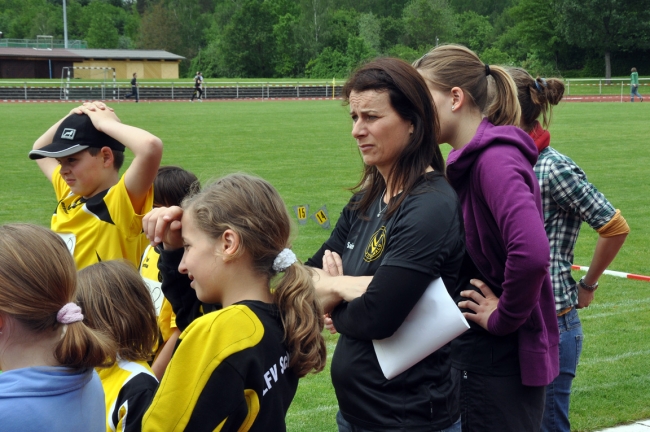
{"x": 615, "y": 358}
{"x": 619, "y": 312}
{"x": 624, "y": 302}
{"x": 638, "y": 380}
{"x": 313, "y": 410}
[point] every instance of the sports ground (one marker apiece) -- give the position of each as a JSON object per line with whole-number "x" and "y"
{"x": 305, "y": 150}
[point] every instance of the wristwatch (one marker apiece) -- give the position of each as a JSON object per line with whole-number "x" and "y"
{"x": 590, "y": 288}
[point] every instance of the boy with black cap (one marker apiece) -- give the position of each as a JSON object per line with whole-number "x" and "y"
{"x": 99, "y": 214}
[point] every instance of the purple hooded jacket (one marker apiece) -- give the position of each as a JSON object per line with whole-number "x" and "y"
{"x": 504, "y": 227}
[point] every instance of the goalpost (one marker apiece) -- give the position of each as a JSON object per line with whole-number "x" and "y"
{"x": 68, "y": 71}
{"x": 44, "y": 42}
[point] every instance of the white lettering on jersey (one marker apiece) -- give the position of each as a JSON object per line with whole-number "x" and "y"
{"x": 271, "y": 376}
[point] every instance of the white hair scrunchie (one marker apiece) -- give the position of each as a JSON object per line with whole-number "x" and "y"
{"x": 284, "y": 259}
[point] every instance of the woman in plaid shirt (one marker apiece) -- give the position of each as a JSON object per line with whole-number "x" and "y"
{"x": 568, "y": 199}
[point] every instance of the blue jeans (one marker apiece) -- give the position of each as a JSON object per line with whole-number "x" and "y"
{"x": 558, "y": 393}
{"x": 634, "y": 91}
{"x": 345, "y": 426}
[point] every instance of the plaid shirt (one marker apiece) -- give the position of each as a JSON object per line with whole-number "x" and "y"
{"x": 568, "y": 199}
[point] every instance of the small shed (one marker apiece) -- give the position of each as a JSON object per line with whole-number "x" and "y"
{"x": 35, "y": 63}
{"x": 48, "y": 63}
{"x": 147, "y": 64}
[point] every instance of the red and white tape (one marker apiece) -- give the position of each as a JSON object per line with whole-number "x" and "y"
{"x": 616, "y": 273}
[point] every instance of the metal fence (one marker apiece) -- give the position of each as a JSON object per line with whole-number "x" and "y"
{"x": 602, "y": 86}
{"x": 171, "y": 90}
{"x": 40, "y": 44}
{"x": 179, "y": 90}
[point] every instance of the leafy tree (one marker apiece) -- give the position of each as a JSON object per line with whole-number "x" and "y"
{"x": 369, "y": 31}
{"x": 606, "y": 25}
{"x": 380, "y": 8}
{"x": 407, "y": 54}
{"x": 342, "y": 24}
{"x": 315, "y": 14}
{"x": 102, "y": 32}
{"x": 491, "y": 8}
{"x": 427, "y": 21}
{"x": 248, "y": 43}
{"x": 358, "y": 52}
{"x": 535, "y": 34}
{"x": 494, "y": 55}
{"x": 329, "y": 63}
{"x": 287, "y": 46}
{"x": 474, "y": 31}
{"x": 25, "y": 19}
{"x": 160, "y": 30}
{"x": 392, "y": 32}
{"x": 192, "y": 18}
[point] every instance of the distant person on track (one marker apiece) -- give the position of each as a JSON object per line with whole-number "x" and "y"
{"x": 134, "y": 88}
{"x": 634, "y": 85}
{"x": 198, "y": 87}
{"x": 568, "y": 200}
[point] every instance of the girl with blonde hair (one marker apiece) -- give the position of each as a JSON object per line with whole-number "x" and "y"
{"x": 47, "y": 353}
{"x": 510, "y": 352}
{"x": 236, "y": 368}
{"x": 117, "y": 300}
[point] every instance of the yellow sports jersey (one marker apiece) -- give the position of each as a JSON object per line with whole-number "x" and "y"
{"x": 101, "y": 228}
{"x": 151, "y": 275}
{"x": 230, "y": 372}
{"x": 129, "y": 388}
{"x": 166, "y": 320}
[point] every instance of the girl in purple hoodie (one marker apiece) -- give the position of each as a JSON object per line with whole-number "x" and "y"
{"x": 511, "y": 351}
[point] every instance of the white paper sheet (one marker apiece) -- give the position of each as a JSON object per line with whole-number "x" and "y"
{"x": 434, "y": 321}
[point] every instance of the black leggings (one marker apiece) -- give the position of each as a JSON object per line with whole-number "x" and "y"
{"x": 499, "y": 403}
{"x": 199, "y": 91}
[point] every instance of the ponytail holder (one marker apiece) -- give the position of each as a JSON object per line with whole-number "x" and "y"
{"x": 70, "y": 313}
{"x": 284, "y": 259}
{"x": 539, "y": 88}
{"x": 487, "y": 69}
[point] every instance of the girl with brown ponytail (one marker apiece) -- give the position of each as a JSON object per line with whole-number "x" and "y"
{"x": 510, "y": 352}
{"x": 47, "y": 353}
{"x": 236, "y": 368}
{"x": 569, "y": 199}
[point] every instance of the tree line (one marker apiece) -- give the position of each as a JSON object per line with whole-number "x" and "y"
{"x": 329, "y": 38}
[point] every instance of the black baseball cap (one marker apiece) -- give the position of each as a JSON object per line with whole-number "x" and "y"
{"x": 74, "y": 134}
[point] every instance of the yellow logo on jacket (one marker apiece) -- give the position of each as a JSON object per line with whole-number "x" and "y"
{"x": 376, "y": 245}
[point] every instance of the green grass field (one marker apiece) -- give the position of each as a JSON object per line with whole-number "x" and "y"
{"x": 305, "y": 149}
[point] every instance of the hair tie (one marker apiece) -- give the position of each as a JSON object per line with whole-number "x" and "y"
{"x": 70, "y": 313}
{"x": 539, "y": 88}
{"x": 487, "y": 69}
{"x": 284, "y": 259}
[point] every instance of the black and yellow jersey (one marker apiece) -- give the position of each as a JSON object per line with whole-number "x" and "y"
{"x": 152, "y": 277}
{"x": 101, "y": 228}
{"x": 128, "y": 387}
{"x": 230, "y": 372}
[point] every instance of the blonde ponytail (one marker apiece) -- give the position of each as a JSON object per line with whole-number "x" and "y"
{"x": 503, "y": 108}
{"x": 302, "y": 318}
{"x": 81, "y": 347}
{"x": 449, "y": 66}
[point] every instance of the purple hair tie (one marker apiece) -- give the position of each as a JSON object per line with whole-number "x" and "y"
{"x": 70, "y": 313}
